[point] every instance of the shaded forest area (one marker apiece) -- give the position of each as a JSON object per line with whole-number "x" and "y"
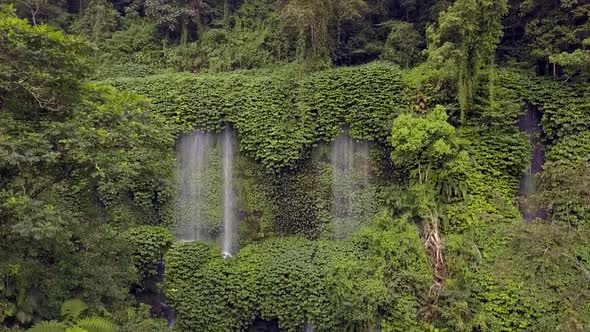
{"x": 475, "y": 120}
{"x": 147, "y": 35}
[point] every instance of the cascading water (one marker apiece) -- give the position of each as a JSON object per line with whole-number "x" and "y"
{"x": 229, "y": 197}
{"x": 193, "y": 153}
{"x": 206, "y": 188}
{"x": 351, "y": 192}
{"x": 529, "y": 122}
{"x": 198, "y": 173}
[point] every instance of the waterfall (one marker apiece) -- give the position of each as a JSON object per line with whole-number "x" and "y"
{"x": 529, "y": 122}
{"x": 229, "y": 197}
{"x": 351, "y": 193}
{"x": 206, "y": 200}
{"x": 193, "y": 153}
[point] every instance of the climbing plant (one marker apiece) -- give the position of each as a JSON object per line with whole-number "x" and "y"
{"x": 278, "y": 279}
{"x": 297, "y": 281}
{"x": 565, "y": 108}
{"x": 566, "y": 133}
{"x": 279, "y": 115}
{"x": 499, "y": 159}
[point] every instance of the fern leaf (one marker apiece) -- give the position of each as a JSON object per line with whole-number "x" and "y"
{"x": 96, "y": 324}
{"x": 75, "y": 329}
{"x": 48, "y": 326}
{"x": 71, "y": 309}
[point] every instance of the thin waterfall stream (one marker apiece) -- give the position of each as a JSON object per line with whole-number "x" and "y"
{"x": 351, "y": 192}
{"x": 229, "y": 196}
{"x": 529, "y": 123}
{"x": 206, "y": 197}
{"x": 193, "y": 155}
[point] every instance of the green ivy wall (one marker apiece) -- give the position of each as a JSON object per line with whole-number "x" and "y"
{"x": 285, "y": 120}
{"x": 379, "y": 279}
{"x": 280, "y": 115}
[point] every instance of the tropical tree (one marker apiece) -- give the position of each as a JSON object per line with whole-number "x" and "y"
{"x": 98, "y": 20}
{"x": 402, "y": 45}
{"x": 71, "y": 155}
{"x": 576, "y": 62}
{"x": 558, "y": 31}
{"x": 41, "y": 11}
{"x": 51, "y": 81}
{"x": 179, "y": 17}
{"x": 432, "y": 154}
{"x": 310, "y": 21}
{"x": 464, "y": 41}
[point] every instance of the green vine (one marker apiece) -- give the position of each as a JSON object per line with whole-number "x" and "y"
{"x": 361, "y": 284}
{"x": 279, "y": 115}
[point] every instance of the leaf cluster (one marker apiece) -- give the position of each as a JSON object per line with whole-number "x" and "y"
{"x": 279, "y": 116}
{"x": 149, "y": 244}
{"x": 344, "y": 285}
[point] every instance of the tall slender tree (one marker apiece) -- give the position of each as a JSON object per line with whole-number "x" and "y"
{"x": 311, "y": 20}
{"x": 558, "y": 31}
{"x": 181, "y": 18}
{"x": 465, "y": 39}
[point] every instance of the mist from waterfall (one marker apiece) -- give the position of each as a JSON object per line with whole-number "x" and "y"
{"x": 229, "y": 197}
{"x": 351, "y": 192}
{"x": 206, "y": 200}
{"x": 193, "y": 153}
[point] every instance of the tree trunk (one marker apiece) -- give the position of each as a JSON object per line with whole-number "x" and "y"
{"x": 226, "y": 13}
{"x": 34, "y": 14}
{"x": 434, "y": 244}
{"x": 184, "y": 31}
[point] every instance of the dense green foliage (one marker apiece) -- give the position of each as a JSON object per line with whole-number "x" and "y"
{"x": 149, "y": 244}
{"x": 565, "y": 128}
{"x": 242, "y": 34}
{"x": 298, "y": 281}
{"x": 435, "y": 239}
{"x": 73, "y": 156}
{"x": 279, "y": 115}
{"x": 517, "y": 278}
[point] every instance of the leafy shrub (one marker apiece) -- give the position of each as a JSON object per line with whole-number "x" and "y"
{"x": 139, "y": 319}
{"x": 149, "y": 244}
{"x": 98, "y": 21}
{"x": 131, "y": 52}
{"x": 219, "y": 50}
{"x": 517, "y": 277}
{"x": 334, "y": 286}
